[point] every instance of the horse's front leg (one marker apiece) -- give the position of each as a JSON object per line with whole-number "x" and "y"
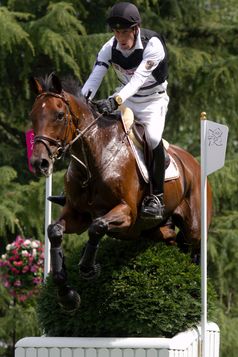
{"x": 118, "y": 219}
{"x": 68, "y": 297}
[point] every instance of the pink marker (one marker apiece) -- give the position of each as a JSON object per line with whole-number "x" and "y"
{"x": 29, "y": 145}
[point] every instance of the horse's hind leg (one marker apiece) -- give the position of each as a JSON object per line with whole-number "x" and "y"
{"x": 68, "y": 297}
{"x": 187, "y": 219}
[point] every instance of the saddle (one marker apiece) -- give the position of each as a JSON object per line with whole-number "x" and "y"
{"x": 139, "y": 136}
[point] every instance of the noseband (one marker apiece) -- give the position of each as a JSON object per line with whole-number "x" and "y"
{"x": 47, "y": 140}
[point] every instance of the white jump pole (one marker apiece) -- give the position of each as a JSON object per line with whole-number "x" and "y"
{"x": 48, "y": 191}
{"x": 48, "y": 206}
{"x": 203, "y": 236}
{"x": 213, "y": 151}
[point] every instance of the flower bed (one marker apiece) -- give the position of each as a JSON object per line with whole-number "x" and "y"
{"x": 22, "y": 267}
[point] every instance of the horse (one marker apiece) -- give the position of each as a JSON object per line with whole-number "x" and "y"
{"x": 103, "y": 187}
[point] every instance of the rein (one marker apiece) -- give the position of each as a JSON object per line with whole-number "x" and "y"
{"x": 62, "y": 145}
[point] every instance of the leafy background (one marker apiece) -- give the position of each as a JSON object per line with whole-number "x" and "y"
{"x": 40, "y": 37}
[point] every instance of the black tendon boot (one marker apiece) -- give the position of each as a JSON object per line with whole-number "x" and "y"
{"x": 153, "y": 205}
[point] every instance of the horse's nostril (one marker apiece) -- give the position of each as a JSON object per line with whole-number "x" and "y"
{"x": 44, "y": 165}
{"x": 40, "y": 165}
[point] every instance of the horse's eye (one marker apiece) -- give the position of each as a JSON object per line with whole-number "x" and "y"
{"x": 60, "y": 115}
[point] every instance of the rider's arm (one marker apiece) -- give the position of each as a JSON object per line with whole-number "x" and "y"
{"x": 152, "y": 56}
{"x": 100, "y": 69}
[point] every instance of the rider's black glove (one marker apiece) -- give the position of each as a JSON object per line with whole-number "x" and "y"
{"x": 107, "y": 106}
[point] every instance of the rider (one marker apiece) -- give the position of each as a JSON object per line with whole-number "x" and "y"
{"x": 139, "y": 58}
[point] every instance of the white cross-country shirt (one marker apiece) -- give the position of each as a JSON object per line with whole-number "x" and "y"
{"x": 134, "y": 80}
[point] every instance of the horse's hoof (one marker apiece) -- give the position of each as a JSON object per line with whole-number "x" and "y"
{"x": 90, "y": 273}
{"x": 196, "y": 259}
{"x": 55, "y": 230}
{"x": 69, "y": 299}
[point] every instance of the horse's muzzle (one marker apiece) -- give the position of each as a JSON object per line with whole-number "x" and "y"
{"x": 41, "y": 165}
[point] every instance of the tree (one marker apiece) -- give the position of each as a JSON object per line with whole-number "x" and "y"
{"x": 31, "y": 46}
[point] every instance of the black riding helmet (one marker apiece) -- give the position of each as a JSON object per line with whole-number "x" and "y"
{"x": 123, "y": 15}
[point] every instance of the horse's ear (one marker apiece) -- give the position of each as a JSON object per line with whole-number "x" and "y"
{"x": 56, "y": 83}
{"x": 35, "y": 85}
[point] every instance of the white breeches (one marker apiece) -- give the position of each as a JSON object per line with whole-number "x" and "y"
{"x": 151, "y": 111}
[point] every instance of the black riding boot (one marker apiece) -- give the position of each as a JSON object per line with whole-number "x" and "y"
{"x": 153, "y": 205}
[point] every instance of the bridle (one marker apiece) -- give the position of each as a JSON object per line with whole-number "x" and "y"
{"x": 62, "y": 145}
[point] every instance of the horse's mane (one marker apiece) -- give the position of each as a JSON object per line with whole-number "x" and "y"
{"x": 69, "y": 84}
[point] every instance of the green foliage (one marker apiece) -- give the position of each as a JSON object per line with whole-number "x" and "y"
{"x": 16, "y": 320}
{"x": 22, "y": 206}
{"x": 144, "y": 289}
{"x": 222, "y": 252}
{"x": 37, "y": 46}
{"x": 225, "y": 189}
{"x": 229, "y": 340}
{"x": 9, "y": 206}
{"x": 56, "y": 35}
{"x": 223, "y": 255}
{"x": 12, "y": 33}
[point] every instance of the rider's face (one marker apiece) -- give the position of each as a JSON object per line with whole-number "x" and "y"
{"x": 125, "y": 38}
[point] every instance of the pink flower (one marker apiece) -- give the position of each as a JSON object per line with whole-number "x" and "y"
{"x": 37, "y": 280}
{"x": 17, "y": 283}
{"x": 33, "y": 268}
{"x": 25, "y": 269}
{"x": 18, "y": 239}
{"x": 30, "y": 259}
{"x": 27, "y": 243}
{"x": 18, "y": 264}
{"x": 14, "y": 258}
{"x": 21, "y": 298}
{"x": 14, "y": 270}
{"x": 7, "y": 284}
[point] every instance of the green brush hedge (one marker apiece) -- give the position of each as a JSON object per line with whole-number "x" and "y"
{"x": 145, "y": 289}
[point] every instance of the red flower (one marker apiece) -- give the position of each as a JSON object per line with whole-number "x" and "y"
{"x": 18, "y": 264}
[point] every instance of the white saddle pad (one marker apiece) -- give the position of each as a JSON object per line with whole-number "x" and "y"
{"x": 171, "y": 172}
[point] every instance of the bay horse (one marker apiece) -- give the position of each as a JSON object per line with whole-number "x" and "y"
{"x": 103, "y": 186}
